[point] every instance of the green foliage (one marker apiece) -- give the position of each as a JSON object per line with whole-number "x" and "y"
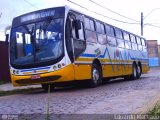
{"x": 155, "y": 112}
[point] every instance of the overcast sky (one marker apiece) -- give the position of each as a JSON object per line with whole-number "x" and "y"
{"x": 131, "y": 9}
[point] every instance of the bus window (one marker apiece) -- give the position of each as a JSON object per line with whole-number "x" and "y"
{"x": 134, "y": 46}
{"x": 132, "y": 38}
{"x": 109, "y": 31}
{"x": 92, "y": 27}
{"x": 128, "y": 45}
{"x": 118, "y": 34}
{"x": 120, "y": 43}
{"x": 110, "y": 35}
{"x": 138, "y": 40}
{"x": 19, "y": 38}
{"x": 143, "y": 42}
{"x": 90, "y": 30}
{"x": 87, "y": 23}
{"x": 101, "y": 33}
{"x": 126, "y": 36}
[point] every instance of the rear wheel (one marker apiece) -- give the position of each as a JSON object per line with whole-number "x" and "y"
{"x": 139, "y": 71}
{"x": 96, "y": 76}
{"x": 134, "y": 72}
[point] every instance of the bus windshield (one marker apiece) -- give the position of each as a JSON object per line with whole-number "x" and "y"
{"x": 37, "y": 43}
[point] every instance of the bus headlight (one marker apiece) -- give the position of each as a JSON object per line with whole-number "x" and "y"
{"x": 15, "y": 72}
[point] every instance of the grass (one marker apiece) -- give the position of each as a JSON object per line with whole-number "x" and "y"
{"x": 155, "y": 112}
{"x": 18, "y": 91}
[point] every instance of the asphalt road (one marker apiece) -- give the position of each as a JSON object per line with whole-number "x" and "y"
{"x": 111, "y": 98}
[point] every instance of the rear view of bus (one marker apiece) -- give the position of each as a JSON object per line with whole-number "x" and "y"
{"x": 37, "y": 53}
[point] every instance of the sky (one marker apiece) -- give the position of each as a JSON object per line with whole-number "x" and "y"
{"x": 125, "y": 14}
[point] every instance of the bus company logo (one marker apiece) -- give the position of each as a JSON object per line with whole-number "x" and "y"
{"x": 97, "y": 52}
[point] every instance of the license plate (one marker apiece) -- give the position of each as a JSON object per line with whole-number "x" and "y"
{"x": 35, "y": 76}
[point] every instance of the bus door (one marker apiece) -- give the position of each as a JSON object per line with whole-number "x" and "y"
{"x": 78, "y": 43}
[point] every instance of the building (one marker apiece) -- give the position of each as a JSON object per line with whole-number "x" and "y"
{"x": 153, "y": 53}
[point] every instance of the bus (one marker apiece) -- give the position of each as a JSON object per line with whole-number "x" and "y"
{"x": 61, "y": 45}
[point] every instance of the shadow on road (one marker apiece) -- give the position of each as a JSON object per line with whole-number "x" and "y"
{"x": 81, "y": 87}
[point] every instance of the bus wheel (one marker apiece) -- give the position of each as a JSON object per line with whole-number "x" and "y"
{"x": 134, "y": 72}
{"x": 46, "y": 87}
{"x": 96, "y": 76}
{"x": 138, "y": 71}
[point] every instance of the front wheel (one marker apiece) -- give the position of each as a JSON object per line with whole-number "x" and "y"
{"x": 96, "y": 76}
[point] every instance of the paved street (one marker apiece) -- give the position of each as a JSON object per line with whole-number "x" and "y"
{"x": 114, "y": 97}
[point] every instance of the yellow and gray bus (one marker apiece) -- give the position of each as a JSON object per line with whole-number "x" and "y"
{"x": 61, "y": 45}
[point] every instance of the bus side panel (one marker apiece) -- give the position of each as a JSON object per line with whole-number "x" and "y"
{"x": 82, "y": 72}
{"x": 108, "y": 71}
{"x": 145, "y": 68}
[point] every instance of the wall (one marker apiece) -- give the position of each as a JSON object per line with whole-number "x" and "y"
{"x": 4, "y": 61}
{"x": 152, "y": 46}
{"x": 153, "y": 53}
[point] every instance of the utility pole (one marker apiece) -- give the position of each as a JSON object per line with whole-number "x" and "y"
{"x": 142, "y": 23}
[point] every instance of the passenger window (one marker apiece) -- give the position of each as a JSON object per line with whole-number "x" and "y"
{"x": 90, "y": 36}
{"x": 119, "y": 34}
{"x": 112, "y": 41}
{"x": 90, "y": 30}
{"x": 143, "y": 42}
{"x": 101, "y": 33}
{"x": 109, "y": 31}
{"x": 98, "y": 27}
{"x": 102, "y": 39}
{"x": 128, "y": 45}
{"x": 132, "y": 38}
{"x": 138, "y": 40}
{"x": 92, "y": 25}
{"x": 87, "y": 23}
{"x": 126, "y": 36}
{"x": 134, "y": 46}
{"x": 102, "y": 28}
{"x": 120, "y": 43}
{"x": 110, "y": 35}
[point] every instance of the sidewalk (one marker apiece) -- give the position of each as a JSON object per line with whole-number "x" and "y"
{"x": 10, "y": 87}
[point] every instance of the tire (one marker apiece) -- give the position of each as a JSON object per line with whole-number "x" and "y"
{"x": 96, "y": 76}
{"x": 46, "y": 87}
{"x": 139, "y": 71}
{"x": 134, "y": 72}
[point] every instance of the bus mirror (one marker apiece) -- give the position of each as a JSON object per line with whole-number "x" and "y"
{"x": 77, "y": 24}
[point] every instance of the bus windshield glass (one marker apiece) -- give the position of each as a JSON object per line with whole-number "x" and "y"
{"x": 37, "y": 43}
